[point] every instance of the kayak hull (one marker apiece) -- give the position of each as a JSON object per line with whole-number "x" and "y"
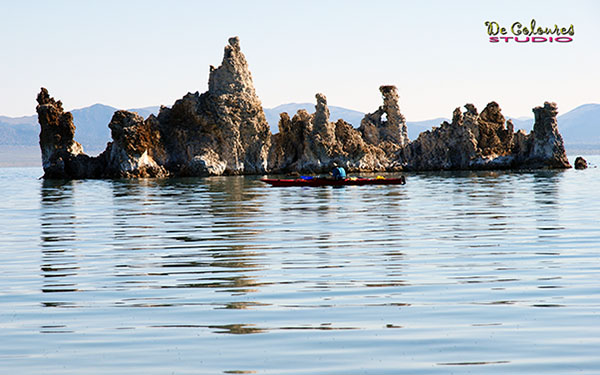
{"x": 314, "y": 182}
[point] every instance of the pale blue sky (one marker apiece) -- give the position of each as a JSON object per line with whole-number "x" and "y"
{"x": 141, "y": 53}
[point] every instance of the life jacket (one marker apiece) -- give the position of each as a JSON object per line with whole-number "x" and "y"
{"x": 339, "y": 173}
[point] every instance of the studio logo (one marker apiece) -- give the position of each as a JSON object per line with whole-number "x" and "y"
{"x": 531, "y": 33}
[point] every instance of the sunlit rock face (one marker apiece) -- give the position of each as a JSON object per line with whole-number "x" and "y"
{"x": 547, "y": 146}
{"x": 224, "y": 131}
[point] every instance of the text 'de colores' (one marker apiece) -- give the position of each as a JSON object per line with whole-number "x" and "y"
{"x": 531, "y": 33}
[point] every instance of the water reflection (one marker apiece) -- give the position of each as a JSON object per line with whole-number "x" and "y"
{"x": 58, "y": 222}
{"x": 485, "y": 204}
{"x": 450, "y": 269}
{"x": 248, "y": 329}
{"x": 546, "y": 188}
{"x": 222, "y": 234}
{"x": 188, "y": 234}
{"x": 330, "y": 235}
{"x": 465, "y": 208}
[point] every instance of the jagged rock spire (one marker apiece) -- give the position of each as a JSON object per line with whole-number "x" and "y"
{"x": 493, "y": 138}
{"x": 223, "y": 130}
{"x": 392, "y": 129}
{"x": 548, "y": 144}
{"x": 233, "y": 76}
{"x": 56, "y": 136}
{"x": 321, "y": 124}
{"x": 395, "y": 128}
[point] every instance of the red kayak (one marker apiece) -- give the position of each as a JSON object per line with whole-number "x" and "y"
{"x": 319, "y": 181}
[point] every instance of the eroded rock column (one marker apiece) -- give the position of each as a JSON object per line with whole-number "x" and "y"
{"x": 59, "y": 149}
{"x": 386, "y": 124}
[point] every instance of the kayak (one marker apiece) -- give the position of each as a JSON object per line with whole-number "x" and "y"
{"x": 320, "y": 181}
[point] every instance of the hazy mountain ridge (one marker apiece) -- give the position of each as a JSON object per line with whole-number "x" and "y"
{"x": 579, "y": 127}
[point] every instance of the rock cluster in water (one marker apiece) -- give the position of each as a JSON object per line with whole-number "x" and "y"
{"x": 487, "y": 141}
{"x": 580, "y": 163}
{"x": 312, "y": 143}
{"x": 224, "y": 131}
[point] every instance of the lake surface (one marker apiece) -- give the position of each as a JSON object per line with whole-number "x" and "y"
{"x": 453, "y": 273}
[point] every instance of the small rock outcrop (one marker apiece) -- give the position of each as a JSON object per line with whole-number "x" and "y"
{"x": 580, "y": 163}
{"x": 224, "y": 131}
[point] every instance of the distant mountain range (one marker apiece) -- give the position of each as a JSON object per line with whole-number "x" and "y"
{"x": 580, "y": 127}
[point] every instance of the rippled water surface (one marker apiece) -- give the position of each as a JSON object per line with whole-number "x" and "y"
{"x": 467, "y": 272}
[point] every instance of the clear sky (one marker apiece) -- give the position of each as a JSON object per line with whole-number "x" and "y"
{"x": 141, "y": 53}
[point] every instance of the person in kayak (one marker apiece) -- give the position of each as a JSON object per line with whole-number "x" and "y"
{"x": 338, "y": 173}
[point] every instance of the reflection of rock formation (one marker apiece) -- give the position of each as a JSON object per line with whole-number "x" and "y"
{"x": 546, "y": 189}
{"x": 196, "y": 241}
{"x": 237, "y": 329}
{"x": 224, "y": 131}
{"x": 59, "y": 262}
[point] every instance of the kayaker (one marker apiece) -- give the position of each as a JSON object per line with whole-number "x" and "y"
{"x": 339, "y": 173}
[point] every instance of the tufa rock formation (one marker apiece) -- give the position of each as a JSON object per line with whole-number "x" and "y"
{"x": 485, "y": 141}
{"x": 56, "y": 135}
{"x": 137, "y": 149}
{"x": 224, "y": 131}
{"x": 135, "y": 143}
{"x": 390, "y": 130}
{"x": 313, "y": 144}
{"x": 547, "y": 146}
{"x": 62, "y": 156}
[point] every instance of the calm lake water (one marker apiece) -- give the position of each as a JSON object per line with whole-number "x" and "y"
{"x": 469, "y": 272}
